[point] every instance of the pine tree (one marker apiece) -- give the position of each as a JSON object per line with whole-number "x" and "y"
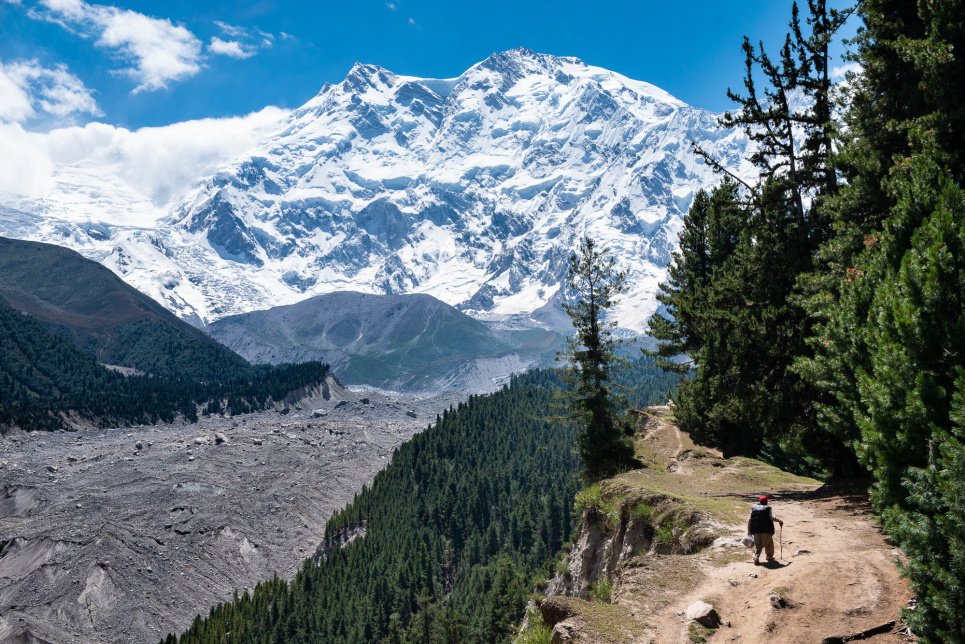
{"x": 590, "y": 358}
{"x": 910, "y": 422}
{"x": 888, "y": 297}
{"x": 731, "y": 292}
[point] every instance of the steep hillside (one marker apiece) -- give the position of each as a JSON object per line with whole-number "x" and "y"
{"x": 63, "y": 317}
{"x": 445, "y": 546}
{"x": 48, "y": 383}
{"x": 102, "y": 315}
{"x": 655, "y": 541}
{"x": 449, "y": 536}
{"x": 400, "y": 342}
{"x": 471, "y": 189}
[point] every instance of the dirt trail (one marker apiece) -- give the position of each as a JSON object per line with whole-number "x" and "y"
{"x": 837, "y": 575}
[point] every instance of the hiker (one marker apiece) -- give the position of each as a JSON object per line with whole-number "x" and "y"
{"x": 761, "y": 526}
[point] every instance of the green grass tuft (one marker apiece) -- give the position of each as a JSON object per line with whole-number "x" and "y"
{"x": 588, "y": 497}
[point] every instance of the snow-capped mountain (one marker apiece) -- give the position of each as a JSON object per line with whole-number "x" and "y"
{"x": 474, "y": 190}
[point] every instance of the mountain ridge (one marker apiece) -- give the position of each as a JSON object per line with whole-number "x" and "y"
{"x": 103, "y": 315}
{"x": 408, "y": 342}
{"x": 471, "y": 189}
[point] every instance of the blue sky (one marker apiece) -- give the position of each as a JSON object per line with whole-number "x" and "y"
{"x": 142, "y": 63}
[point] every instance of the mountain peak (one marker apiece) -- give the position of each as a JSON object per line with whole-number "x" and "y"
{"x": 364, "y": 75}
{"x": 520, "y": 61}
{"x": 470, "y": 189}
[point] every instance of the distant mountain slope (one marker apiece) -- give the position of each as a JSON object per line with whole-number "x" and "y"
{"x": 104, "y": 316}
{"x": 61, "y": 315}
{"x": 47, "y": 383}
{"x": 405, "y": 342}
{"x": 473, "y": 190}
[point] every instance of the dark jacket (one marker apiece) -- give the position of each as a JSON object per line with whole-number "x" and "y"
{"x": 762, "y": 520}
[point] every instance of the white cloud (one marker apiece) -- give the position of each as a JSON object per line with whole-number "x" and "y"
{"x": 841, "y": 72}
{"x": 157, "y": 50}
{"x": 391, "y": 5}
{"x": 151, "y": 167}
{"x": 240, "y": 42}
{"x": 232, "y": 30}
{"x": 28, "y": 170}
{"x": 70, "y": 9}
{"x": 15, "y": 103}
{"x": 27, "y": 87}
{"x": 231, "y": 48}
{"x": 267, "y": 39}
{"x": 411, "y": 21}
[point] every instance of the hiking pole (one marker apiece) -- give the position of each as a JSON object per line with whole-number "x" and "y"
{"x": 782, "y": 542}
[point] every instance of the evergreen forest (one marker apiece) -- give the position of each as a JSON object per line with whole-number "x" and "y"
{"x": 821, "y": 306}
{"x": 45, "y": 379}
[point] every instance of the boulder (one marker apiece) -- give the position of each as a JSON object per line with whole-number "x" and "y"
{"x": 220, "y": 439}
{"x": 564, "y": 633}
{"x": 704, "y": 614}
{"x": 411, "y": 414}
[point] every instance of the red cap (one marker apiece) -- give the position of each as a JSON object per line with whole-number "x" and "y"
{"x": 763, "y": 499}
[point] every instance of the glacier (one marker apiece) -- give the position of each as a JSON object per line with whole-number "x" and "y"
{"x": 474, "y": 190}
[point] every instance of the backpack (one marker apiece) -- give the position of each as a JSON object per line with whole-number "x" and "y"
{"x": 761, "y": 521}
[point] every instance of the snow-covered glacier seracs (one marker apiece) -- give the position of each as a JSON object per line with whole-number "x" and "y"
{"x": 474, "y": 190}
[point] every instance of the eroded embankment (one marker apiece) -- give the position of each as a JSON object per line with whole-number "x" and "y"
{"x": 657, "y": 540}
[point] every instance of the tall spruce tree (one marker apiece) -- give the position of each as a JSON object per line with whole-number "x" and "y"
{"x": 602, "y": 442}
{"x": 888, "y": 349}
{"x": 735, "y": 311}
{"x": 704, "y": 298}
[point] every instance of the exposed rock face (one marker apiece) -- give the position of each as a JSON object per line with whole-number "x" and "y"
{"x": 567, "y": 633}
{"x": 554, "y": 610}
{"x": 598, "y": 551}
{"x": 586, "y": 561}
{"x": 340, "y": 540}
